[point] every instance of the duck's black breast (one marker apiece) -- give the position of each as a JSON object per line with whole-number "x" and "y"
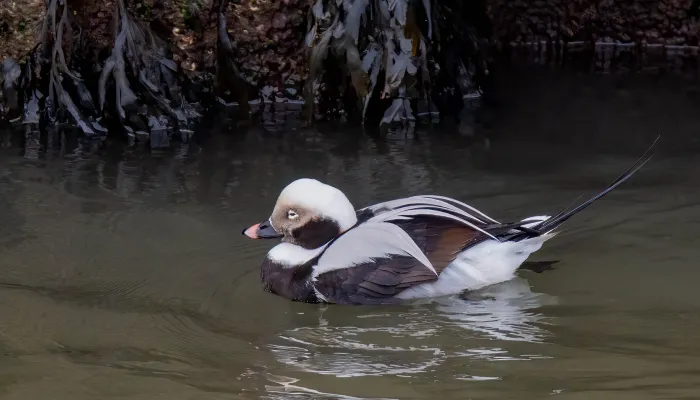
{"x": 293, "y": 283}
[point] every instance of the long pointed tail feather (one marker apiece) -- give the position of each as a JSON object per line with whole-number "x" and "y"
{"x": 552, "y": 223}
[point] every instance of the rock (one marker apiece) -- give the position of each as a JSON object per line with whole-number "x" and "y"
{"x": 279, "y": 21}
{"x": 11, "y": 72}
{"x": 160, "y": 139}
{"x": 142, "y": 136}
{"x": 577, "y": 19}
{"x": 186, "y": 135}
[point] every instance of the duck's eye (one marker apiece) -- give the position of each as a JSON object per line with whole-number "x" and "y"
{"x": 291, "y": 214}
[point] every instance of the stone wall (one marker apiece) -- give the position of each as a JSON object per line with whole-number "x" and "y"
{"x": 268, "y": 34}
{"x": 651, "y": 21}
{"x": 19, "y": 22}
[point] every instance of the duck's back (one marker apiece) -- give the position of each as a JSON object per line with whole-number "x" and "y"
{"x": 396, "y": 246}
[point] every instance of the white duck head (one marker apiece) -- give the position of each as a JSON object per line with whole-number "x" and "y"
{"x": 308, "y": 214}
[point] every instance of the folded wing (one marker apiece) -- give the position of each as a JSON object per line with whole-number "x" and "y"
{"x": 399, "y": 244}
{"x": 370, "y": 264}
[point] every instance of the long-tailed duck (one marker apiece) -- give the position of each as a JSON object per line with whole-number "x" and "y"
{"x": 414, "y": 247}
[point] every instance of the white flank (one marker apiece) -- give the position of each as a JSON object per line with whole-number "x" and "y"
{"x": 366, "y": 243}
{"x": 485, "y": 264}
{"x": 290, "y": 255}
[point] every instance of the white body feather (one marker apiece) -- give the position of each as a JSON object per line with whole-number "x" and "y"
{"x": 290, "y": 255}
{"x": 485, "y": 264}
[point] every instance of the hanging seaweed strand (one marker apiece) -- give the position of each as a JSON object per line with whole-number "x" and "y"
{"x": 228, "y": 73}
{"x": 139, "y": 55}
{"x": 56, "y": 33}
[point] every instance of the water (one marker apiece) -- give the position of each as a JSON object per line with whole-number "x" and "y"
{"x": 124, "y": 274}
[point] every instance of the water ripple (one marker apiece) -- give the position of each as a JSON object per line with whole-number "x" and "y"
{"x": 422, "y": 338}
{"x": 287, "y": 388}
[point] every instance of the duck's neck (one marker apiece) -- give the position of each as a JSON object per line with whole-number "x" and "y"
{"x": 290, "y": 255}
{"x": 287, "y": 272}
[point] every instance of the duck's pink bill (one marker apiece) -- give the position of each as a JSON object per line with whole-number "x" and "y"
{"x": 252, "y": 232}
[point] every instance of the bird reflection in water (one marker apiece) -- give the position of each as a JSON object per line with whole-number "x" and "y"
{"x": 420, "y": 337}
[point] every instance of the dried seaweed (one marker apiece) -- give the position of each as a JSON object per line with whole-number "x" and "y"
{"x": 371, "y": 37}
{"x": 398, "y": 39}
{"x": 9, "y": 78}
{"x": 227, "y": 72}
{"x": 384, "y": 54}
{"x": 49, "y": 90}
{"x": 57, "y": 33}
{"x": 137, "y": 54}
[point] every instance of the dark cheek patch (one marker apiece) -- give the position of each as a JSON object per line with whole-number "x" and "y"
{"x": 315, "y": 233}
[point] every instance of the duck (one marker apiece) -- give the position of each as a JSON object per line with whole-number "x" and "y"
{"x": 415, "y": 247}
